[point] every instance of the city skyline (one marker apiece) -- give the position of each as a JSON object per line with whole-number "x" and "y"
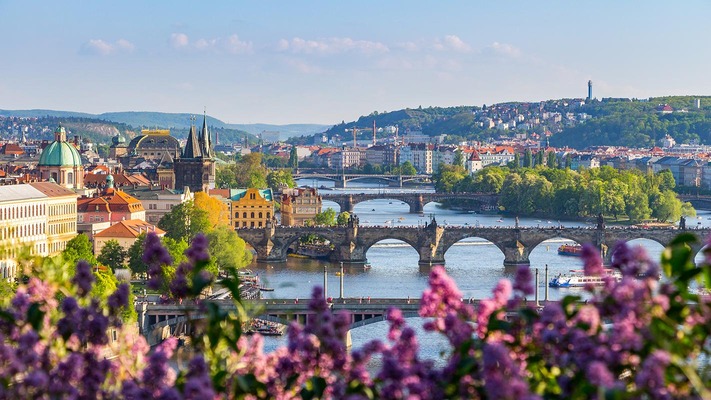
{"x": 323, "y": 62}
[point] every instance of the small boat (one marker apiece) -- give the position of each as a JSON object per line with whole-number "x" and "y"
{"x": 401, "y": 219}
{"x": 500, "y": 220}
{"x": 372, "y": 210}
{"x": 389, "y": 221}
{"x": 338, "y": 273}
{"x": 549, "y": 222}
{"x": 367, "y": 266}
{"x": 266, "y": 289}
{"x": 390, "y": 202}
{"x": 570, "y": 250}
{"x": 579, "y": 279}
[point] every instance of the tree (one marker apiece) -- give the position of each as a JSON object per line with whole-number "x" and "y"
{"x": 112, "y": 255}
{"x": 216, "y": 211}
{"x": 458, "y": 158}
{"x": 539, "y": 157}
{"x": 135, "y": 256}
{"x": 293, "y": 158}
{"x": 326, "y": 217}
{"x": 343, "y": 218}
{"x": 407, "y": 168}
{"x": 516, "y": 161}
{"x": 225, "y": 176}
{"x": 79, "y": 248}
{"x": 184, "y": 221}
{"x": 227, "y": 249}
{"x": 528, "y": 159}
{"x": 176, "y": 248}
{"x": 551, "y": 161}
{"x": 279, "y": 179}
{"x": 666, "y": 207}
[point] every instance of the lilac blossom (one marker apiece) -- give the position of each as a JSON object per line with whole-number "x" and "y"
{"x": 83, "y": 278}
{"x": 592, "y": 262}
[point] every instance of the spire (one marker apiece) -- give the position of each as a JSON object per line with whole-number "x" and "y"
{"x": 205, "y": 145}
{"x": 192, "y": 146}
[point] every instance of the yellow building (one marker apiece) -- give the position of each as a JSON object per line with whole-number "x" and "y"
{"x": 40, "y": 216}
{"x": 251, "y": 208}
{"x": 299, "y": 205}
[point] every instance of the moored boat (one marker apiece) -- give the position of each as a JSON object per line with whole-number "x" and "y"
{"x": 577, "y": 278}
{"x": 570, "y": 250}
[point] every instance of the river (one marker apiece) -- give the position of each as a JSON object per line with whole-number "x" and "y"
{"x": 475, "y": 264}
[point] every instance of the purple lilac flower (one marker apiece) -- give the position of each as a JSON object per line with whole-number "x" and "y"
{"x": 155, "y": 256}
{"x": 198, "y": 385}
{"x": 83, "y": 278}
{"x": 524, "y": 280}
{"x": 592, "y": 262}
{"x": 599, "y": 375}
{"x": 119, "y": 298}
{"x": 651, "y": 375}
{"x": 198, "y": 250}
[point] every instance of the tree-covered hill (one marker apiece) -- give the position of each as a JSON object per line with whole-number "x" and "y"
{"x": 637, "y": 123}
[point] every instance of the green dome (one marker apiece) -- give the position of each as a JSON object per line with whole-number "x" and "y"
{"x": 60, "y": 154}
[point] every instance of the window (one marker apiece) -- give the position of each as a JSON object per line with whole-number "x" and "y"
{"x": 260, "y": 216}
{"x": 252, "y": 215}
{"x": 244, "y": 214}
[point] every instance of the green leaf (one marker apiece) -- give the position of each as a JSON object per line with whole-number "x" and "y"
{"x": 35, "y": 316}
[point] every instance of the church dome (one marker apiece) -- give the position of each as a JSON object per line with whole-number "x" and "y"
{"x": 60, "y": 153}
{"x": 118, "y": 140}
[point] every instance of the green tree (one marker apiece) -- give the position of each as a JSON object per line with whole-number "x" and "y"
{"x": 551, "y": 160}
{"x": 105, "y": 284}
{"x": 225, "y": 176}
{"x": 227, "y": 250}
{"x": 458, "y": 158}
{"x": 184, "y": 221}
{"x": 407, "y": 168}
{"x": 539, "y": 157}
{"x": 279, "y": 179}
{"x": 516, "y": 161}
{"x": 666, "y": 207}
{"x": 135, "y": 255}
{"x": 79, "y": 248}
{"x": 688, "y": 210}
{"x": 112, "y": 255}
{"x": 293, "y": 158}
{"x": 326, "y": 217}
{"x": 176, "y": 249}
{"x": 527, "y": 159}
{"x": 343, "y": 218}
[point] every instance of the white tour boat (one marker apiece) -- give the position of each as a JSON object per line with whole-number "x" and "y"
{"x": 577, "y": 278}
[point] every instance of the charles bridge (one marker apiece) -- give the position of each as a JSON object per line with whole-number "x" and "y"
{"x": 431, "y": 241}
{"x": 416, "y": 201}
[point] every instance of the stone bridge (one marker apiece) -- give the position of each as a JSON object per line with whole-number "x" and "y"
{"x": 351, "y": 242}
{"x": 416, "y": 201}
{"x": 343, "y": 179}
{"x": 699, "y": 202}
{"x": 159, "y": 321}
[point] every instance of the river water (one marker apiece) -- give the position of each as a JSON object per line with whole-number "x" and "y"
{"x": 476, "y": 265}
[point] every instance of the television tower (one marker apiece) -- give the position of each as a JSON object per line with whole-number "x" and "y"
{"x": 589, "y": 90}
{"x": 373, "y": 132}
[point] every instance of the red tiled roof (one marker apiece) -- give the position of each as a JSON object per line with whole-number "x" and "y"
{"x": 131, "y": 228}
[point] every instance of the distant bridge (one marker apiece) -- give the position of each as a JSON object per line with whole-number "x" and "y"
{"x": 351, "y": 242}
{"x": 158, "y": 321}
{"x": 699, "y": 202}
{"x": 343, "y": 179}
{"x": 416, "y": 201}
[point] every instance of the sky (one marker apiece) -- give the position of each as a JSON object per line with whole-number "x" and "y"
{"x": 322, "y": 62}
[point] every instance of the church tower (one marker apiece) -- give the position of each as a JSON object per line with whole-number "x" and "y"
{"x": 196, "y": 166}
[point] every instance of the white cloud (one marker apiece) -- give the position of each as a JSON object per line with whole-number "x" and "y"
{"x": 331, "y": 46}
{"x": 302, "y": 66}
{"x": 178, "y": 40}
{"x": 452, "y": 43}
{"x": 231, "y": 44}
{"x": 99, "y": 47}
{"x": 503, "y": 49}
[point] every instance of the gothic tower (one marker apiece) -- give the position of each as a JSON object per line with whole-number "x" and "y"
{"x": 196, "y": 166}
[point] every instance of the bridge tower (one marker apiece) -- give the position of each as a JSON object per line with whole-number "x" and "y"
{"x": 429, "y": 247}
{"x": 347, "y": 251}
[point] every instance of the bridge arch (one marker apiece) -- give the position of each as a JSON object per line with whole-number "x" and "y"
{"x": 471, "y": 240}
{"x": 366, "y": 245}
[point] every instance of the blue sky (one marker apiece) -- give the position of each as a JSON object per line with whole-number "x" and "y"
{"x": 326, "y": 61}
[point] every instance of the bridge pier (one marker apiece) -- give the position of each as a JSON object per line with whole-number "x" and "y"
{"x": 516, "y": 253}
{"x": 341, "y": 182}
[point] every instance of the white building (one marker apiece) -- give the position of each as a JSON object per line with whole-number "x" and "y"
{"x": 40, "y": 217}
{"x": 419, "y": 155}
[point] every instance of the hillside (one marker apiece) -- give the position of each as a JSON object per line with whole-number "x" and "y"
{"x": 178, "y": 122}
{"x": 571, "y": 122}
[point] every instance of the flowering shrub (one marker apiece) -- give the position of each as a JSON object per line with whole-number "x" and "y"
{"x": 632, "y": 339}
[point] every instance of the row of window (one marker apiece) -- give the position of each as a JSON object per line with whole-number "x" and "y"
{"x": 21, "y": 211}
{"x": 252, "y": 215}
{"x": 62, "y": 209}
{"x": 64, "y": 227}
{"x": 252, "y": 224}
{"x": 21, "y": 231}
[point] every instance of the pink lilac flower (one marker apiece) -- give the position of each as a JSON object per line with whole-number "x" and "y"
{"x": 523, "y": 282}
